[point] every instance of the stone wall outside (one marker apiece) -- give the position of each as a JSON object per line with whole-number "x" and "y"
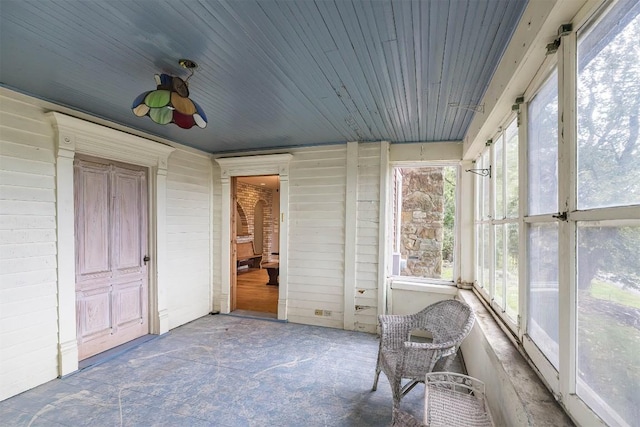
{"x": 422, "y": 227}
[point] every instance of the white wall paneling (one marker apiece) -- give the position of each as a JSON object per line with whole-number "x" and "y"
{"x": 317, "y": 236}
{"x": 28, "y": 275}
{"x": 368, "y": 243}
{"x": 188, "y": 228}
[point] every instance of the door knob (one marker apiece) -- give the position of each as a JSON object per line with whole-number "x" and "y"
{"x": 146, "y": 259}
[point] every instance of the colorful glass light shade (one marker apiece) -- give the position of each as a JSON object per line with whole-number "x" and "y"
{"x": 170, "y": 103}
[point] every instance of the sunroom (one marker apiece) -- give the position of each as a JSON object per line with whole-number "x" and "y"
{"x": 485, "y": 151}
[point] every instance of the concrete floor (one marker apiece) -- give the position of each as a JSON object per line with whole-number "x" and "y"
{"x": 222, "y": 370}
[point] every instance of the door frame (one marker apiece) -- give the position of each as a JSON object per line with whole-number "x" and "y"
{"x": 270, "y": 164}
{"x": 73, "y": 136}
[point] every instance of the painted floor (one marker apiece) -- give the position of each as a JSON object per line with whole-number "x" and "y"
{"x": 223, "y": 370}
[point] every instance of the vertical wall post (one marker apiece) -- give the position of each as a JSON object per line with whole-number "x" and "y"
{"x": 161, "y": 247}
{"x": 284, "y": 241}
{"x": 350, "y": 235}
{"x": 225, "y": 244}
{"x": 384, "y": 209}
{"x": 65, "y": 216}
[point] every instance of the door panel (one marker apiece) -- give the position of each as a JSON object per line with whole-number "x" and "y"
{"x": 93, "y": 209}
{"x": 127, "y": 221}
{"x": 95, "y": 313}
{"x": 111, "y": 242}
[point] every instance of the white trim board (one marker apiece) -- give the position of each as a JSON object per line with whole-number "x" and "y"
{"x": 274, "y": 164}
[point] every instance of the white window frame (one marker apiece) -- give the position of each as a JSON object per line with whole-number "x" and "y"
{"x": 391, "y": 244}
{"x": 562, "y": 382}
{"x": 544, "y": 366}
{"x": 488, "y": 155}
{"x": 621, "y": 215}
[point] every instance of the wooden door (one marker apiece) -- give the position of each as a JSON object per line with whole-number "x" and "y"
{"x": 111, "y": 246}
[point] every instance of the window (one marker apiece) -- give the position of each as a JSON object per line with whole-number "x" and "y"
{"x": 542, "y": 242}
{"x": 497, "y": 222}
{"x": 424, "y": 222}
{"x": 608, "y": 307}
{"x": 580, "y": 223}
{"x": 483, "y": 223}
{"x": 542, "y": 325}
{"x": 506, "y": 221}
{"x": 608, "y": 239}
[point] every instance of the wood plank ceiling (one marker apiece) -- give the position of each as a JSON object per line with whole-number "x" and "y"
{"x": 271, "y": 73}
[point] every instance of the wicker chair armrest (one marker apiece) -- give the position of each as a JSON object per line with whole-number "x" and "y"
{"x": 444, "y": 349}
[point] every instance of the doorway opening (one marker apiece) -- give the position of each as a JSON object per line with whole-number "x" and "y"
{"x": 257, "y": 201}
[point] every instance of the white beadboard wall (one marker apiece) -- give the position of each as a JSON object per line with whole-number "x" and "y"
{"x": 188, "y": 236}
{"x": 317, "y": 179}
{"x": 367, "y": 237}
{"x": 28, "y": 263}
{"x": 28, "y": 315}
{"x": 317, "y": 191}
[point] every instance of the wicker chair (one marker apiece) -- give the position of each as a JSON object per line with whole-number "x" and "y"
{"x": 452, "y": 399}
{"x": 404, "y": 419}
{"x": 448, "y": 322}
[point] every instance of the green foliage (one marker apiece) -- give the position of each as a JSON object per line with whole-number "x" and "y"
{"x": 609, "y": 292}
{"x": 609, "y": 147}
{"x": 602, "y": 342}
{"x": 449, "y": 212}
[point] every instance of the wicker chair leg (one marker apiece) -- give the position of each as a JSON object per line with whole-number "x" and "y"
{"x": 375, "y": 381}
{"x": 397, "y": 393}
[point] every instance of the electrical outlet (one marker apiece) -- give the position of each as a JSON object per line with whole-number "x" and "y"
{"x": 327, "y": 313}
{"x": 318, "y": 312}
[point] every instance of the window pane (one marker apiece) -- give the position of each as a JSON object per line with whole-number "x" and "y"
{"x": 609, "y": 317}
{"x": 608, "y": 108}
{"x": 542, "y": 325}
{"x": 486, "y": 184}
{"x": 479, "y": 255}
{"x": 512, "y": 271}
{"x": 487, "y": 258}
{"x": 427, "y": 213}
{"x": 498, "y": 177}
{"x": 511, "y": 169}
{"x": 498, "y": 289}
{"x": 448, "y": 231}
{"x": 543, "y": 149}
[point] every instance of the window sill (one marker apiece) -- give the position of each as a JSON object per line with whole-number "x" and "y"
{"x": 418, "y": 286}
{"x": 515, "y": 393}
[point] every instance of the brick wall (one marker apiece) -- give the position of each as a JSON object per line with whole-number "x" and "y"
{"x": 248, "y": 196}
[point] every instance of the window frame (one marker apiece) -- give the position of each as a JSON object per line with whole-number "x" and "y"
{"x": 562, "y": 382}
{"x": 392, "y": 240}
{"x": 486, "y": 159}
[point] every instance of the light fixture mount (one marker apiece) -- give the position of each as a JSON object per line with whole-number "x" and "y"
{"x": 188, "y": 64}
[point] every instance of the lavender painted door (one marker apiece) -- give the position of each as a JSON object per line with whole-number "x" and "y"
{"x": 111, "y": 243}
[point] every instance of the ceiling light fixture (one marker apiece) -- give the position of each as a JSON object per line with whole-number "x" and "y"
{"x": 170, "y": 102}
